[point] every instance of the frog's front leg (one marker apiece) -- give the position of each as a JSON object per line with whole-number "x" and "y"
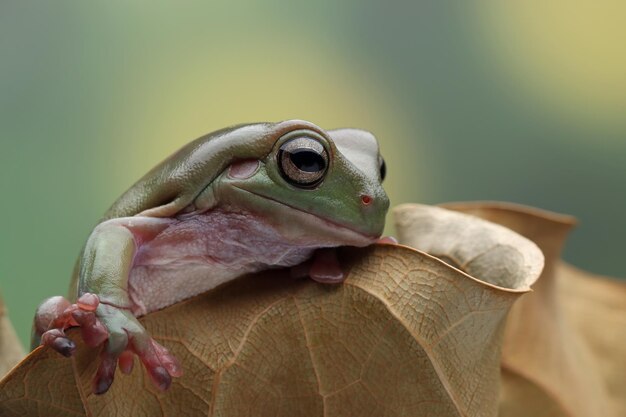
{"x": 104, "y": 308}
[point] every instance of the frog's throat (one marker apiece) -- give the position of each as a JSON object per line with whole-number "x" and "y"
{"x": 355, "y": 237}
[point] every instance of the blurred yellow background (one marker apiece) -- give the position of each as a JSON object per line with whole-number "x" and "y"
{"x": 516, "y": 101}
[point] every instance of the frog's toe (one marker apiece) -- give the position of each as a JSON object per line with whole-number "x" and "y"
{"x": 160, "y": 364}
{"x": 168, "y": 360}
{"x": 106, "y": 371}
{"x": 325, "y": 267}
{"x": 126, "y": 362}
{"x": 390, "y": 240}
{"x": 49, "y": 312}
{"x": 56, "y": 314}
{"x": 116, "y": 344}
{"x": 92, "y": 330}
{"x": 88, "y": 302}
{"x": 56, "y": 339}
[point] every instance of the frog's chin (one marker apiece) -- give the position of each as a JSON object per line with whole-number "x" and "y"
{"x": 304, "y": 228}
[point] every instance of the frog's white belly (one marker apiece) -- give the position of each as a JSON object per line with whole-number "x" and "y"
{"x": 200, "y": 252}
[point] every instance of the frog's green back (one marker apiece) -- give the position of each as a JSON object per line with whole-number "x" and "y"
{"x": 179, "y": 178}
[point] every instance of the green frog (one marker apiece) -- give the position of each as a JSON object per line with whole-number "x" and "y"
{"x": 236, "y": 201}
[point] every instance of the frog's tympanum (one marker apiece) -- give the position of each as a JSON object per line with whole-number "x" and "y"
{"x": 233, "y": 202}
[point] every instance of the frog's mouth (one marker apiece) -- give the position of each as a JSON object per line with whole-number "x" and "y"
{"x": 334, "y": 233}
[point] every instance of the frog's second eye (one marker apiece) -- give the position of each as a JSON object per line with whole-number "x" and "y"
{"x": 383, "y": 169}
{"x": 303, "y": 162}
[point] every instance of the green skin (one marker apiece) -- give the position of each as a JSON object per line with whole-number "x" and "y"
{"x": 196, "y": 180}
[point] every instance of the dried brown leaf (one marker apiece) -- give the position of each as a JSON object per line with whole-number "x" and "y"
{"x": 11, "y": 351}
{"x": 406, "y": 335}
{"x": 565, "y": 344}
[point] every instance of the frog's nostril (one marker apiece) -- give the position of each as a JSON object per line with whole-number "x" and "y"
{"x": 366, "y": 199}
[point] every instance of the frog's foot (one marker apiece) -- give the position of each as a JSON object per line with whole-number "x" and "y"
{"x": 56, "y": 314}
{"x": 100, "y": 323}
{"x": 324, "y": 266}
{"x": 127, "y": 337}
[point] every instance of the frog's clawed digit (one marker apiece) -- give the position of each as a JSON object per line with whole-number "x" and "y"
{"x": 117, "y": 329}
{"x": 56, "y": 314}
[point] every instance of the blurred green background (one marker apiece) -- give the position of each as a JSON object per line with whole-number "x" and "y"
{"x": 516, "y": 101}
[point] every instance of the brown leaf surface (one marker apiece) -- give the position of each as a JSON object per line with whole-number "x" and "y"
{"x": 11, "y": 351}
{"x": 406, "y": 335}
{"x": 565, "y": 344}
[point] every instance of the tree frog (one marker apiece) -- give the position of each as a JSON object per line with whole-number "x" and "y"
{"x": 236, "y": 201}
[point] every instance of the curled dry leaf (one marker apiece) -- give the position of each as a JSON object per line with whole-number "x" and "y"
{"x": 565, "y": 344}
{"x": 11, "y": 351}
{"x": 406, "y": 335}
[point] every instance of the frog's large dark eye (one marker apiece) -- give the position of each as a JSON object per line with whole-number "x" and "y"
{"x": 383, "y": 169}
{"x": 303, "y": 162}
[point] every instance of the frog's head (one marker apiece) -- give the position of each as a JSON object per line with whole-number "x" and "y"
{"x": 314, "y": 185}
